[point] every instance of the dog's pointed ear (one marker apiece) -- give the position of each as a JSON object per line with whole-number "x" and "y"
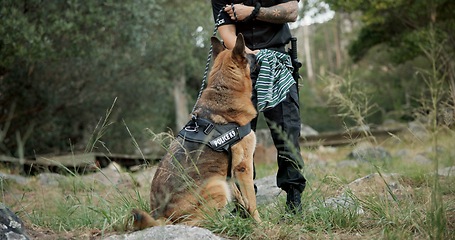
{"x": 239, "y": 48}
{"x": 217, "y": 46}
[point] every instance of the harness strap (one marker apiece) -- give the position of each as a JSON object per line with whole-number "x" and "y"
{"x": 219, "y": 137}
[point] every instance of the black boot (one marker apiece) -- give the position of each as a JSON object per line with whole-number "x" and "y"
{"x": 293, "y": 200}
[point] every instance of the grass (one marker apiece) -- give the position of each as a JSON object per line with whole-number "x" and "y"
{"x": 81, "y": 208}
{"x": 77, "y": 207}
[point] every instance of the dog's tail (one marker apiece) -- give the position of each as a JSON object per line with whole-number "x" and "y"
{"x": 142, "y": 220}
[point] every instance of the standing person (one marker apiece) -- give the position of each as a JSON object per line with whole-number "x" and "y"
{"x": 263, "y": 24}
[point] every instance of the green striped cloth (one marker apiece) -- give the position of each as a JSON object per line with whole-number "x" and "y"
{"x": 275, "y": 78}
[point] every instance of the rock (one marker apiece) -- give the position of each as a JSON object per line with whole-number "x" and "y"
{"x": 421, "y": 159}
{"x": 447, "y": 172}
{"x": 418, "y": 130}
{"x": 11, "y": 227}
{"x": 267, "y": 190}
{"x": 263, "y": 137}
{"x": 50, "y": 179}
{"x": 306, "y": 130}
{"x": 170, "y": 232}
{"x": 14, "y": 178}
{"x": 390, "y": 123}
{"x": 347, "y": 163}
{"x": 263, "y": 154}
{"x": 343, "y": 203}
{"x": 378, "y": 185}
{"x": 367, "y": 152}
{"x": 362, "y": 128}
{"x": 310, "y": 157}
{"x": 145, "y": 176}
{"x": 432, "y": 150}
{"x": 154, "y": 146}
{"x": 325, "y": 149}
{"x": 402, "y": 153}
{"x": 111, "y": 175}
{"x": 115, "y": 167}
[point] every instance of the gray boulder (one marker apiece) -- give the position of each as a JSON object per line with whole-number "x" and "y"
{"x": 306, "y": 130}
{"x": 267, "y": 190}
{"x": 113, "y": 174}
{"x": 369, "y": 153}
{"x": 447, "y": 172}
{"x": 382, "y": 185}
{"x": 14, "y": 178}
{"x": 348, "y": 163}
{"x": 170, "y": 232}
{"x": 51, "y": 179}
{"x": 344, "y": 203}
{"x": 418, "y": 130}
{"x": 11, "y": 227}
{"x": 421, "y": 159}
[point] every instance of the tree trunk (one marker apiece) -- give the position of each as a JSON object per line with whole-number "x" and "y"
{"x": 21, "y": 140}
{"x": 322, "y": 67}
{"x": 306, "y": 48}
{"x": 181, "y": 102}
{"x": 328, "y": 48}
{"x": 337, "y": 38}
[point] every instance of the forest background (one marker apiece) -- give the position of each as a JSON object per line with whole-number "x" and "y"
{"x": 66, "y": 65}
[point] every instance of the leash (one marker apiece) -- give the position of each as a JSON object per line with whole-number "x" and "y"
{"x": 207, "y": 64}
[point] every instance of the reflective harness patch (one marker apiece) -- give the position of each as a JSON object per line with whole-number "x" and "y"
{"x": 225, "y": 138}
{"x": 219, "y": 137}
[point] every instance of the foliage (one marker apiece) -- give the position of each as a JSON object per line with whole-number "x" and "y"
{"x": 63, "y": 63}
{"x": 387, "y": 42}
{"x": 399, "y": 24}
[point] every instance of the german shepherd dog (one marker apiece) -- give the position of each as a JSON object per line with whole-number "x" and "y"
{"x": 193, "y": 181}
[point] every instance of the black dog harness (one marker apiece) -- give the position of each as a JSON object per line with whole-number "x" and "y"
{"x": 219, "y": 137}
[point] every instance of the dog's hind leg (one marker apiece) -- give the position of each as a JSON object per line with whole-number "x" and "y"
{"x": 242, "y": 171}
{"x": 204, "y": 203}
{"x": 215, "y": 195}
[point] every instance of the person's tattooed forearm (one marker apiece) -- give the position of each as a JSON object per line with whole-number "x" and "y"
{"x": 281, "y": 13}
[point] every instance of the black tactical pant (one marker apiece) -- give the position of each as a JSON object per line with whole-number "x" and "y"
{"x": 284, "y": 122}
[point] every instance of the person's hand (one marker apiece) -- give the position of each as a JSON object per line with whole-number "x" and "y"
{"x": 239, "y": 12}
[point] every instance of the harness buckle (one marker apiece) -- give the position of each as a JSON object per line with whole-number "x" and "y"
{"x": 208, "y": 129}
{"x": 191, "y": 128}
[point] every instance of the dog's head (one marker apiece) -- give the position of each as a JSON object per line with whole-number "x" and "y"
{"x": 238, "y": 51}
{"x": 233, "y": 64}
{"x": 227, "y": 96}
